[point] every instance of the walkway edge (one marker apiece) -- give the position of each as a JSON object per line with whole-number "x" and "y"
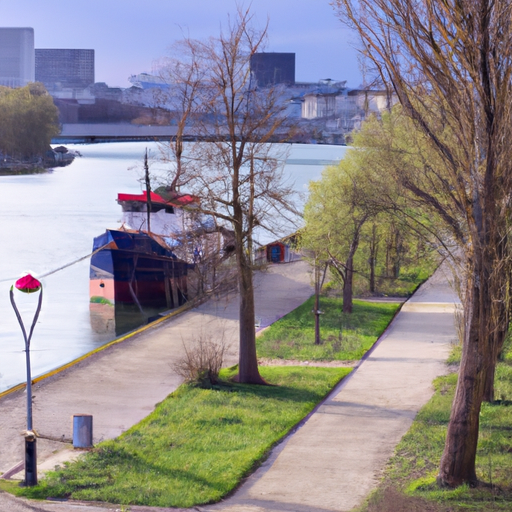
{"x": 266, "y": 463}
{"x": 131, "y": 334}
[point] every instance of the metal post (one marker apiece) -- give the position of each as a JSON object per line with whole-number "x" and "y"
{"x": 30, "y": 437}
{"x": 82, "y": 431}
{"x": 29, "y": 389}
{"x": 148, "y": 190}
{"x": 30, "y": 459}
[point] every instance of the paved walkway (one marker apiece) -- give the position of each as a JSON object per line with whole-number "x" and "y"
{"x": 121, "y": 385}
{"x": 330, "y": 464}
{"x": 335, "y": 460}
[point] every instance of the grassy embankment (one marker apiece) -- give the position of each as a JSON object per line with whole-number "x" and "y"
{"x": 410, "y": 480}
{"x": 345, "y": 337}
{"x": 410, "y": 278}
{"x": 199, "y": 443}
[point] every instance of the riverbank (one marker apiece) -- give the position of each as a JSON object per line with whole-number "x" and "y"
{"x": 51, "y": 219}
{"x": 54, "y": 157}
{"x": 120, "y": 385}
{"x": 347, "y": 439}
{"x": 22, "y": 169}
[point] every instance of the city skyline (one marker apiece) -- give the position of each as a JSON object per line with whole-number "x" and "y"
{"x": 128, "y": 39}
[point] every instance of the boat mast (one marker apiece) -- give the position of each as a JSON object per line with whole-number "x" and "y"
{"x": 148, "y": 189}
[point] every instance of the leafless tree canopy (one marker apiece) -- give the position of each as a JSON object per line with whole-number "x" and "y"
{"x": 184, "y": 76}
{"x": 449, "y": 62}
{"x": 234, "y": 168}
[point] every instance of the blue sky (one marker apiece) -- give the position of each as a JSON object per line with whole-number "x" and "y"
{"x": 129, "y": 36}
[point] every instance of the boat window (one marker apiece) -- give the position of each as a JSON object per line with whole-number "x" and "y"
{"x": 132, "y": 206}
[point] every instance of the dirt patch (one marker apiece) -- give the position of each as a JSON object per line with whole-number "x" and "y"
{"x": 383, "y": 299}
{"x": 265, "y": 361}
{"x": 389, "y": 499}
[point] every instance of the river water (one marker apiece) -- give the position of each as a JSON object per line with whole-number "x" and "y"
{"x": 50, "y": 220}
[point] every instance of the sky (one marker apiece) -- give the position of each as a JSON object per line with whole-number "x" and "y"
{"x": 130, "y": 36}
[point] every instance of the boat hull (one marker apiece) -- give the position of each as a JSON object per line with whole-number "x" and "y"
{"x": 133, "y": 277}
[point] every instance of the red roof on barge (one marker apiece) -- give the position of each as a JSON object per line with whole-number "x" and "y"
{"x": 156, "y": 198}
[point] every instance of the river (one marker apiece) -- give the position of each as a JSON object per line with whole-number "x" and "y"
{"x": 50, "y": 220}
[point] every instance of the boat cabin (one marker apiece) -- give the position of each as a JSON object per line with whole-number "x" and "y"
{"x": 167, "y": 214}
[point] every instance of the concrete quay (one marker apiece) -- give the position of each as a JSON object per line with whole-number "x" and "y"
{"x": 121, "y": 385}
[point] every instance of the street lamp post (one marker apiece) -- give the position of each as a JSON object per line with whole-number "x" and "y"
{"x": 28, "y": 284}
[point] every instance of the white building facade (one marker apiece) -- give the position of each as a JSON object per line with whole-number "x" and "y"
{"x": 345, "y": 108}
{"x": 17, "y": 56}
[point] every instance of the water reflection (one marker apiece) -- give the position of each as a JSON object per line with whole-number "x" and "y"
{"x": 103, "y": 318}
{"x": 116, "y": 320}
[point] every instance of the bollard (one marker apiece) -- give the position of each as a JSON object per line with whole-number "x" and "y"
{"x": 82, "y": 431}
{"x": 30, "y": 459}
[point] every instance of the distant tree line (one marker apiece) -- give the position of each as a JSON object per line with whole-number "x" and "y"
{"x": 28, "y": 122}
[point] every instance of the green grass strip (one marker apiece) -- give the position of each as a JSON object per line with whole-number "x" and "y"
{"x": 345, "y": 337}
{"x": 198, "y": 443}
{"x": 410, "y": 481}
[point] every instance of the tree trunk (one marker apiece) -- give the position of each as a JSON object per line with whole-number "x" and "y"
{"x": 372, "y": 275}
{"x": 318, "y": 341}
{"x": 397, "y": 260}
{"x": 373, "y": 258}
{"x": 486, "y": 325}
{"x": 388, "y": 259}
{"x": 247, "y": 359}
{"x": 458, "y": 460}
{"x": 349, "y": 272}
{"x": 319, "y": 282}
{"x": 317, "y": 304}
{"x": 348, "y": 286}
{"x": 389, "y": 251}
{"x": 482, "y": 338}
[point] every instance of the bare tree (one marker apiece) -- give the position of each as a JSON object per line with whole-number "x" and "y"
{"x": 238, "y": 171}
{"x": 450, "y": 63}
{"x": 184, "y": 77}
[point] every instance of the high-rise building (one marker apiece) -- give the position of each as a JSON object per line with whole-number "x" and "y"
{"x": 273, "y": 68}
{"x": 16, "y": 56}
{"x": 64, "y": 68}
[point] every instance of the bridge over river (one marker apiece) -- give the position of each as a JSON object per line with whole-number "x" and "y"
{"x": 109, "y": 132}
{"x": 126, "y": 132}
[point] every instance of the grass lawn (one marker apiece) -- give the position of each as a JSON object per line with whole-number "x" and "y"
{"x": 410, "y": 278}
{"x": 410, "y": 481}
{"x": 344, "y": 337}
{"x": 198, "y": 443}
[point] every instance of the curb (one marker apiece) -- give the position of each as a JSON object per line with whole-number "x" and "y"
{"x": 274, "y": 451}
{"x": 51, "y": 373}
